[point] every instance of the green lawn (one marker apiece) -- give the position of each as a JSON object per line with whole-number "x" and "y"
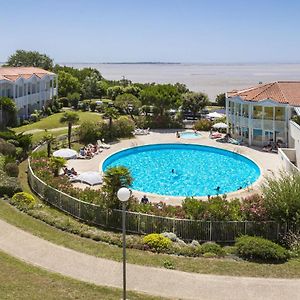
{"x": 38, "y": 136}
{"x": 19, "y": 280}
{"x": 53, "y": 121}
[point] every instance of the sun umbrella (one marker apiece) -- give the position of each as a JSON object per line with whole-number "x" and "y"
{"x": 65, "y": 153}
{"x": 215, "y": 115}
{"x": 91, "y": 178}
{"x": 220, "y": 125}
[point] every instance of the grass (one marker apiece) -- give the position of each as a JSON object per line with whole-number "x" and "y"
{"x": 38, "y": 136}
{"x": 290, "y": 269}
{"x": 19, "y": 280}
{"x": 52, "y": 121}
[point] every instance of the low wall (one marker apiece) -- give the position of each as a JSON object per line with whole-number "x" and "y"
{"x": 288, "y": 156}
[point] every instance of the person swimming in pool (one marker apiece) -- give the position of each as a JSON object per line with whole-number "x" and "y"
{"x": 217, "y": 189}
{"x": 173, "y": 171}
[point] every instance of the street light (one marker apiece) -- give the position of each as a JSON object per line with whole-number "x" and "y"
{"x": 123, "y": 195}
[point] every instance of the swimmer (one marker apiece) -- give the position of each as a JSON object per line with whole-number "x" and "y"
{"x": 173, "y": 171}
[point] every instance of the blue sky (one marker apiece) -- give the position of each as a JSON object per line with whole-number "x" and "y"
{"x": 202, "y": 31}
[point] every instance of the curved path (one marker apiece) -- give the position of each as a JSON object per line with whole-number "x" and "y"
{"x": 155, "y": 281}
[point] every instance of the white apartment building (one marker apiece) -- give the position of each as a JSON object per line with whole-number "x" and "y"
{"x": 261, "y": 114}
{"x": 31, "y": 88}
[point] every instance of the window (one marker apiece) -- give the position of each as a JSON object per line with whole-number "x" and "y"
{"x": 279, "y": 113}
{"x": 257, "y": 134}
{"x": 268, "y": 115}
{"x": 245, "y": 110}
{"x": 257, "y": 112}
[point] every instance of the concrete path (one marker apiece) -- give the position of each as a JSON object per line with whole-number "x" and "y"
{"x": 155, "y": 281}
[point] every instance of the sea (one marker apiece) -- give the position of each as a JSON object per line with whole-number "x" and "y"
{"x": 209, "y": 78}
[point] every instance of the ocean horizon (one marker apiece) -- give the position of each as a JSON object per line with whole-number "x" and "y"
{"x": 210, "y": 78}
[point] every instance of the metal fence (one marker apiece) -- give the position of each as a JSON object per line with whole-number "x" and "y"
{"x": 139, "y": 223}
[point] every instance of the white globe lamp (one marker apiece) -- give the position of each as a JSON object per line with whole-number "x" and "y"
{"x": 123, "y": 194}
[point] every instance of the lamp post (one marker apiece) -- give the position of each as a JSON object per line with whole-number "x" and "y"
{"x": 123, "y": 195}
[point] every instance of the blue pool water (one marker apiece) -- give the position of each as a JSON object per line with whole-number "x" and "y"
{"x": 190, "y": 135}
{"x": 198, "y": 170}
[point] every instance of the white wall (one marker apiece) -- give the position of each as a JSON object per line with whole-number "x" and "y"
{"x": 295, "y": 134}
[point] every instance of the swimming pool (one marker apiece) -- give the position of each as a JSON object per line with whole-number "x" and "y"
{"x": 190, "y": 135}
{"x": 185, "y": 169}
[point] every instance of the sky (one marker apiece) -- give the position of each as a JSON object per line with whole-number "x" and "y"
{"x": 191, "y": 31}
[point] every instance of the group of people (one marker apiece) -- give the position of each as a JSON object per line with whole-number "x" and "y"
{"x": 70, "y": 172}
{"x": 89, "y": 151}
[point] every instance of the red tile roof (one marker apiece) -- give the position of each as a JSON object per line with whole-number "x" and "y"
{"x": 287, "y": 92}
{"x": 13, "y": 73}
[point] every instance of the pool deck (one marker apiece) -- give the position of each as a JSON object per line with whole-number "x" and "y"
{"x": 269, "y": 163}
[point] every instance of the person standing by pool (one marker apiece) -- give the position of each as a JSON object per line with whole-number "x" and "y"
{"x": 144, "y": 200}
{"x": 177, "y": 134}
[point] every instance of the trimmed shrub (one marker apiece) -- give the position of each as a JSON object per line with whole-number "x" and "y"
{"x": 211, "y": 247}
{"x": 8, "y": 185}
{"x": 260, "y": 249}
{"x": 157, "y": 242}
{"x": 12, "y": 169}
{"x": 7, "y": 148}
{"x": 23, "y": 201}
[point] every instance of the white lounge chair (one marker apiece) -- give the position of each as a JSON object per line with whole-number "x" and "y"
{"x": 100, "y": 144}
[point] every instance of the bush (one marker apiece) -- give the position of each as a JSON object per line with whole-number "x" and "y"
{"x": 12, "y": 169}
{"x": 88, "y": 132}
{"x": 93, "y": 106}
{"x": 281, "y": 197}
{"x": 157, "y": 242}
{"x": 8, "y": 185}
{"x": 211, "y": 247}
{"x": 123, "y": 127}
{"x": 260, "y": 249}
{"x": 210, "y": 255}
{"x": 23, "y": 201}
{"x": 292, "y": 241}
{"x": 7, "y": 148}
{"x": 203, "y": 125}
{"x": 64, "y": 101}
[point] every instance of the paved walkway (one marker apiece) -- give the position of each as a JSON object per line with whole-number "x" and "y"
{"x": 160, "y": 282}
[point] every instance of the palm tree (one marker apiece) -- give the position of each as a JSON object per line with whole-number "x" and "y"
{"x": 48, "y": 138}
{"x": 111, "y": 113}
{"x": 70, "y": 118}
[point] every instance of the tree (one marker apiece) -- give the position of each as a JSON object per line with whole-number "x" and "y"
{"x": 110, "y": 113}
{"x": 9, "y": 109}
{"x": 162, "y": 96}
{"x": 92, "y": 87}
{"x": 22, "y": 58}
{"x": 74, "y": 99}
{"x": 56, "y": 163}
{"x": 70, "y": 118}
{"x": 132, "y": 89}
{"x": 129, "y": 103}
{"x": 114, "y": 91}
{"x": 194, "y": 102}
{"x": 67, "y": 84}
{"x": 114, "y": 179}
{"x": 221, "y": 99}
{"x": 48, "y": 138}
